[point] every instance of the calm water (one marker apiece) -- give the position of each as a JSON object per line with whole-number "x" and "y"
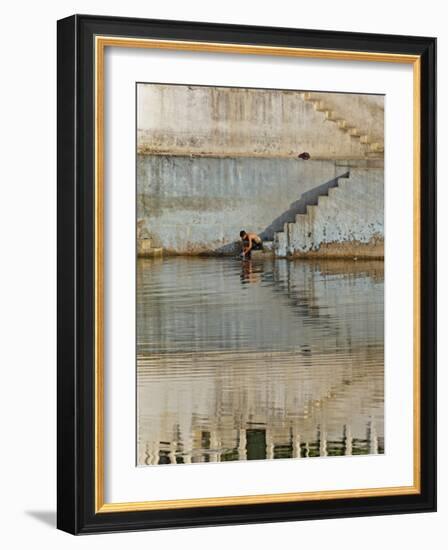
{"x": 258, "y": 359}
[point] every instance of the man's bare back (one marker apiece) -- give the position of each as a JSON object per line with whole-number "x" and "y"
{"x": 251, "y": 241}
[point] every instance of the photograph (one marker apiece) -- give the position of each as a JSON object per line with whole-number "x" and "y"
{"x": 223, "y": 332}
{"x": 259, "y": 274}
{"x": 246, "y": 271}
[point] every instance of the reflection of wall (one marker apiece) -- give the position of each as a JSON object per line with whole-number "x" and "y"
{"x": 263, "y": 397}
{"x": 237, "y": 357}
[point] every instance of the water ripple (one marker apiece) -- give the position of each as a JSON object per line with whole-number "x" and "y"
{"x": 261, "y": 359}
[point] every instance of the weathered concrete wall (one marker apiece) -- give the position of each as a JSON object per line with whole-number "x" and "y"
{"x": 195, "y": 205}
{"x": 212, "y": 161}
{"x": 349, "y": 221}
{"x": 216, "y": 121}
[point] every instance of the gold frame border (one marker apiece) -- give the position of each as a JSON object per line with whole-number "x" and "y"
{"x": 101, "y": 42}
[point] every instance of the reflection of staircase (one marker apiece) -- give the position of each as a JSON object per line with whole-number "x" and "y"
{"x": 348, "y": 215}
{"x": 373, "y": 146}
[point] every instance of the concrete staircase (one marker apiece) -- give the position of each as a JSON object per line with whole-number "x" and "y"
{"x": 341, "y": 222}
{"x": 373, "y": 144}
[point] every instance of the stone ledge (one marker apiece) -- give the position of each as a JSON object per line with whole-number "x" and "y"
{"x": 145, "y": 250}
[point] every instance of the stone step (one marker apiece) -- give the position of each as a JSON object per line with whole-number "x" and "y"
{"x": 376, "y": 148}
{"x": 323, "y": 200}
{"x": 319, "y": 106}
{"x": 354, "y": 132}
{"x": 344, "y": 184}
{"x": 260, "y": 254}
{"x": 331, "y": 116}
{"x": 311, "y": 209}
{"x": 280, "y": 244}
{"x": 300, "y": 218}
{"x": 334, "y": 190}
{"x": 143, "y": 243}
{"x": 307, "y": 96}
{"x": 145, "y": 250}
{"x": 151, "y": 253}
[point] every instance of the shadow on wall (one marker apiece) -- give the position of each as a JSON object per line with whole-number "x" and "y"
{"x": 297, "y": 207}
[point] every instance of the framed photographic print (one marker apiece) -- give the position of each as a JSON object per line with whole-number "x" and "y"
{"x": 246, "y": 274}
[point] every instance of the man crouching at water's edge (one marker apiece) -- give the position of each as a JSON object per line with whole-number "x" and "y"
{"x": 251, "y": 241}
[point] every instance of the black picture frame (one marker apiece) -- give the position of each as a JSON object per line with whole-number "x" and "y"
{"x": 76, "y": 286}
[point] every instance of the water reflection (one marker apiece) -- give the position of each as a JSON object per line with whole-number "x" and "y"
{"x": 258, "y": 359}
{"x": 251, "y": 271}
